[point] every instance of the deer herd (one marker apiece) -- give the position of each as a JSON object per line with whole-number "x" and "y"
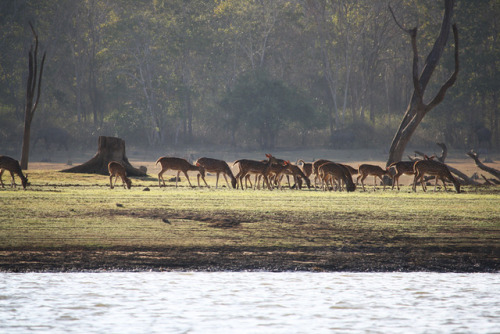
{"x": 270, "y": 173}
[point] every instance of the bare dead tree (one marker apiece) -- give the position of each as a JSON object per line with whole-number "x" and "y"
{"x": 417, "y": 108}
{"x": 34, "y": 84}
{"x": 474, "y": 156}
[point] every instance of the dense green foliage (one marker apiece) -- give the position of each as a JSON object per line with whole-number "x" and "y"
{"x": 244, "y": 73}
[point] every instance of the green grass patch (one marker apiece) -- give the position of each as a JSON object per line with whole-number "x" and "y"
{"x": 80, "y": 210}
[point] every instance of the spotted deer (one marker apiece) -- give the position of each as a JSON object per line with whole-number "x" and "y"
{"x": 216, "y": 166}
{"x": 179, "y": 165}
{"x": 298, "y": 175}
{"x": 12, "y": 165}
{"x": 434, "y": 168}
{"x": 366, "y": 170}
{"x": 403, "y": 167}
{"x": 255, "y": 167}
{"x": 116, "y": 170}
{"x": 307, "y": 167}
{"x": 315, "y": 166}
{"x": 331, "y": 172}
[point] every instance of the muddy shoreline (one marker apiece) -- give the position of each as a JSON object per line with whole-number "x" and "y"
{"x": 321, "y": 259}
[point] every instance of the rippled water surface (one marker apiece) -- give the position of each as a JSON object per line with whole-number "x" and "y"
{"x": 250, "y": 302}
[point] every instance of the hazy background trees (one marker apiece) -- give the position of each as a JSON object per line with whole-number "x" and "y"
{"x": 248, "y": 74}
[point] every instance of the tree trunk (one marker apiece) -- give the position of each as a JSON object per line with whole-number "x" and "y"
{"x": 417, "y": 109}
{"x": 109, "y": 149}
{"x": 31, "y": 86}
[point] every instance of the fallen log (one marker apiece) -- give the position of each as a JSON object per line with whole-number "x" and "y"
{"x": 492, "y": 171}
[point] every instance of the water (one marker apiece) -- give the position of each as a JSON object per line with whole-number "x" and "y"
{"x": 249, "y": 302}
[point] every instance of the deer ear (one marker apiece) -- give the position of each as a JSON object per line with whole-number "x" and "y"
{"x": 268, "y": 155}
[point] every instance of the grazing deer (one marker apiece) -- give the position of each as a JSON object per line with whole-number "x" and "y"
{"x": 255, "y": 167}
{"x": 366, "y": 170}
{"x": 12, "y": 165}
{"x": 116, "y": 169}
{"x": 298, "y": 175}
{"x": 307, "y": 167}
{"x": 333, "y": 172}
{"x": 315, "y": 166}
{"x": 276, "y": 171}
{"x": 179, "y": 165}
{"x": 216, "y": 166}
{"x": 351, "y": 170}
{"x": 435, "y": 168}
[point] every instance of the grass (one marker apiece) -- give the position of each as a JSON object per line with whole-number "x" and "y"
{"x": 77, "y": 210}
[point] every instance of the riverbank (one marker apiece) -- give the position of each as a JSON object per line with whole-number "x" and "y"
{"x": 318, "y": 259}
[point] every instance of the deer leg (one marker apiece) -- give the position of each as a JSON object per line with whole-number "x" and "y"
{"x": 395, "y": 181}
{"x": 160, "y": 177}
{"x": 203, "y": 178}
{"x": 225, "y": 178}
{"x": 187, "y": 177}
{"x": 111, "y": 181}
{"x": 13, "y": 183}
{"x": 217, "y": 180}
{"x": 382, "y": 180}
{"x": 177, "y": 178}
{"x": 363, "y": 177}
{"x": 1, "y": 173}
{"x": 267, "y": 182}
{"x": 424, "y": 187}
{"x": 240, "y": 179}
{"x": 444, "y": 184}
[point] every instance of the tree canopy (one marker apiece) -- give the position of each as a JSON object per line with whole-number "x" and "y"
{"x": 268, "y": 73}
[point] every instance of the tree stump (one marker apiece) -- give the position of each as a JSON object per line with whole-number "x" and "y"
{"x": 109, "y": 149}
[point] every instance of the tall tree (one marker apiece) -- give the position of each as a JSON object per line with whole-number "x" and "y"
{"x": 34, "y": 84}
{"x": 417, "y": 109}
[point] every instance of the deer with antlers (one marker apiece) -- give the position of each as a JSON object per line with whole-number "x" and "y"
{"x": 216, "y": 166}
{"x": 116, "y": 170}
{"x": 179, "y": 165}
{"x": 435, "y": 168}
{"x": 12, "y": 165}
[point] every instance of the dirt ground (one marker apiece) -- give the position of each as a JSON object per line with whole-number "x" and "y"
{"x": 356, "y": 259}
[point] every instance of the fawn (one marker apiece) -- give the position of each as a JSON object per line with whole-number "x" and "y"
{"x": 12, "y": 165}
{"x": 116, "y": 169}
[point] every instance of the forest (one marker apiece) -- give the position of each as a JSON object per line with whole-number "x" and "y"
{"x": 259, "y": 74}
